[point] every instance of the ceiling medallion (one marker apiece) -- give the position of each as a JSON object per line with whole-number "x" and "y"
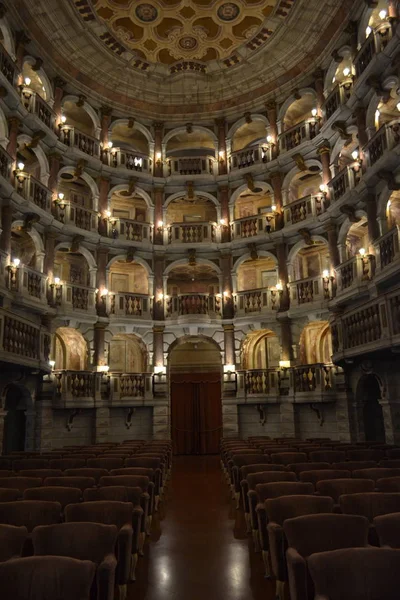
{"x": 147, "y": 13}
{"x": 228, "y": 12}
{"x": 188, "y": 42}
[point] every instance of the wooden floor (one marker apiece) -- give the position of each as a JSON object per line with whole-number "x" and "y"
{"x": 199, "y": 549}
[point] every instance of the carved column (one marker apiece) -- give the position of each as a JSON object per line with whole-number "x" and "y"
{"x": 158, "y": 303}
{"x": 286, "y": 339}
{"x": 229, "y": 343}
{"x": 373, "y": 225}
{"x": 222, "y": 157}
{"x": 22, "y": 40}
{"x": 272, "y": 114}
{"x": 361, "y": 122}
{"x": 333, "y": 244}
{"x": 158, "y": 345}
{"x": 54, "y": 163}
{"x": 6, "y": 222}
{"x": 276, "y": 182}
{"x": 325, "y": 155}
{"x": 224, "y": 202}
{"x": 99, "y": 337}
{"x": 13, "y": 130}
{"x": 58, "y": 96}
{"x": 105, "y": 124}
{"x": 102, "y": 261}
{"x": 227, "y": 288}
{"x": 158, "y": 138}
{"x": 281, "y": 252}
{"x": 49, "y": 244}
{"x": 104, "y": 189}
{"x": 158, "y": 215}
{"x": 319, "y": 89}
{"x": 393, "y": 10}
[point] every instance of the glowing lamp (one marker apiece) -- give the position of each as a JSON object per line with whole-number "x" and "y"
{"x": 284, "y": 364}
{"x": 346, "y": 72}
{"x": 160, "y": 370}
{"x": 63, "y": 119}
{"x": 16, "y": 262}
{"x": 362, "y": 251}
{"x": 57, "y": 280}
{"x": 229, "y": 369}
{"x": 368, "y": 31}
{"x": 325, "y": 273}
{"x": 382, "y": 14}
{"x": 52, "y": 363}
{"x": 314, "y": 112}
{"x": 27, "y": 81}
{"x": 21, "y": 166}
{"x": 354, "y": 154}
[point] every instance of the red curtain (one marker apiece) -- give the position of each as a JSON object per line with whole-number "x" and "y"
{"x": 196, "y": 413}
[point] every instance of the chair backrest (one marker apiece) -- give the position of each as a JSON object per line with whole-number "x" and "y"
{"x": 370, "y": 454}
{"x": 260, "y": 468}
{"x": 150, "y": 463}
{"x": 150, "y": 473}
{"x": 102, "y": 511}
{"x": 76, "y": 482}
{"x": 86, "y": 472}
{"x": 47, "y": 578}
{"x": 388, "y": 529}
{"x": 337, "y": 487}
{"x": 375, "y": 474}
{"x": 286, "y": 507}
{"x": 355, "y": 465}
{"x": 329, "y": 456}
{"x": 369, "y": 504}
{"x": 315, "y": 476}
{"x": 105, "y": 463}
{"x": 127, "y": 481}
{"x": 41, "y": 473}
{"x": 254, "y": 479}
{"x": 322, "y": 532}
{"x": 239, "y": 460}
{"x": 63, "y": 495}
{"x": 30, "y": 513}
{"x": 85, "y": 541}
{"x": 12, "y": 540}
{"x": 20, "y": 483}
{"x": 9, "y": 494}
{"x": 393, "y": 453}
{"x": 24, "y": 464}
{"x": 388, "y": 484}
{"x": 352, "y": 573}
{"x": 119, "y": 493}
{"x": 283, "y": 488}
{"x": 391, "y": 463}
{"x": 67, "y": 463}
{"x": 287, "y": 458}
{"x": 308, "y": 466}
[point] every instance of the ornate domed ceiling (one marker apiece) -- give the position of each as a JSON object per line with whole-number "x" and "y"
{"x": 182, "y": 59}
{"x": 166, "y": 31}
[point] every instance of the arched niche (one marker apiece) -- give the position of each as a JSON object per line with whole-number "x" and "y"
{"x": 299, "y": 184}
{"x": 353, "y": 237}
{"x": 131, "y": 136}
{"x": 76, "y": 190}
{"x": 198, "y": 141}
{"x": 70, "y": 350}
{"x": 127, "y": 354}
{"x": 297, "y": 108}
{"x": 339, "y": 73}
{"x": 130, "y": 277}
{"x": 248, "y": 203}
{"x": 33, "y": 158}
{"x": 368, "y": 398}
{"x": 81, "y": 116}
{"x": 255, "y": 274}
{"x": 307, "y": 261}
{"x": 200, "y": 278}
{"x": 343, "y": 152}
{"x": 316, "y": 343}
{"x": 194, "y": 353}
{"x": 37, "y": 80}
{"x": 260, "y": 350}
{"x": 74, "y": 267}
{"x": 249, "y": 134}
{"x": 27, "y": 246}
{"x": 198, "y": 208}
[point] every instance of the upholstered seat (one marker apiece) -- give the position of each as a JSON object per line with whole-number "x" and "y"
{"x": 12, "y": 540}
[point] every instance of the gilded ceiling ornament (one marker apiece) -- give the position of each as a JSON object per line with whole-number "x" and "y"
{"x": 146, "y": 13}
{"x": 228, "y": 11}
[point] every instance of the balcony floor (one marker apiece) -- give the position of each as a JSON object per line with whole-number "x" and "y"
{"x": 199, "y": 548}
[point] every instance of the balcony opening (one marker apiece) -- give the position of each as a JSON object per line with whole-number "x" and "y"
{"x": 344, "y": 71}
{"x": 378, "y": 17}
{"x": 32, "y": 80}
{"x": 305, "y": 183}
{"x": 71, "y": 267}
{"x": 128, "y": 278}
{"x": 70, "y": 350}
{"x": 196, "y": 409}
{"x": 345, "y": 157}
{"x": 77, "y": 117}
{"x": 128, "y": 354}
{"x": 75, "y": 192}
{"x": 253, "y": 213}
{"x": 315, "y": 344}
{"x": 129, "y": 138}
{"x": 193, "y": 290}
{"x": 28, "y": 157}
{"x": 300, "y": 110}
{"x": 191, "y": 153}
{"x": 256, "y": 286}
{"x": 191, "y": 219}
{"x": 310, "y": 261}
{"x": 17, "y": 401}
{"x": 23, "y": 248}
{"x": 249, "y": 135}
{"x": 260, "y": 350}
{"x": 357, "y": 238}
{"x": 368, "y": 395}
{"x": 393, "y": 210}
{"x": 387, "y": 112}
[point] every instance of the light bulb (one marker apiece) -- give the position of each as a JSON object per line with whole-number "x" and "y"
{"x": 398, "y": 106}
{"x": 63, "y": 118}
{"x": 108, "y": 214}
{"x": 160, "y": 223}
{"x": 158, "y": 156}
{"x": 226, "y": 294}
{"x": 160, "y": 296}
{"x": 382, "y": 14}
{"x": 104, "y": 292}
{"x": 368, "y": 31}
{"x": 325, "y": 273}
{"x": 334, "y": 80}
{"x": 279, "y": 286}
{"x": 269, "y": 139}
{"x": 16, "y": 262}
{"x": 354, "y": 154}
{"x": 52, "y": 363}
{"x": 61, "y": 196}
{"x": 273, "y": 207}
{"x": 362, "y": 251}
{"x": 346, "y": 72}
{"x": 222, "y": 221}
{"x": 27, "y": 81}
{"x": 57, "y": 280}
{"x": 323, "y": 188}
{"x": 21, "y": 166}
{"x": 314, "y": 112}
{"x": 110, "y": 144}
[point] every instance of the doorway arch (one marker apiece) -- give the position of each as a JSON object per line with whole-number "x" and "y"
{"x": 369, "y": 395}
{"x": 17, "y": 401}
{"x": 195, "y": 371}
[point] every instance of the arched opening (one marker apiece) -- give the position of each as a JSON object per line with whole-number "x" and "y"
{"x": 16, "y": 403}
{"x": 195, "y": 382}
{"x": 253, "y": 213}
{"x": 344, "y": 71}
{"x": 357, "y": 241}
{"x": 249, "y": 134}
{"x": 310, "y": 261}
{"x": 70, "y": 350}
{"x": 316, "y": 343}
{"x": 33, "y": 82}
{"x": 305, "y": 183}
{"x": 387, "y": 112}
{"x": 76, "y": 116}
{"x": 193, "y": 290}
{"x": 128, "y": 216}
{"x": 378, "y": 20}
{"x": 256, "y": 274}
{"x": 129, "y": 138}
{"x": 75, "y": 203}
{"x": 190, "y": 153}
{"x": 28, "y": 157}
{"x": 191, "y": 219}
{"x": 71, "y": 267}
{"x": 128, "y": 354}
{"x": 129, "y": 277}
{"x": 299, "y": 111}
{"x": 260, "y": 350}
{"x": 23, "y": 248}
{"x": 393, "y": 210}
{"x": 368, "y": 395}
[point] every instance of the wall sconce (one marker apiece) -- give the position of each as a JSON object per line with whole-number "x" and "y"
{"x": 27, "y": 81}
{"x": 229, "y": 369}
{"x": 160, "y": 227}
{"x": 107, "y": 214}
{"x": 279, "y": 286}
{"x": 273, "y": 208}
{"x": 284, "y": 364}
{"x": 104, "y": 293}
{"x": 362, "y": 251}
{"x": 354, "y": 155}
{"x": 269, "y": 139}
{"x": 20, "y": 166}
{"x": 221, "y": 156}
{"x": 103, "y": 368}
{"x": 222, "y": 222}
{"x": 160, "y": 298}
{"x": 323, "y": 188}
{"x": 314, "y": 112}
{"x": 346, "y": 72}
{"x": 16, "y": 262}
{"x": 160, "y": 370}
{"x": 382, "y": 15}
{"x": 57, "y": 281}
{"x": 109, "y": 145}
{"x": 325, "y": 274}
{"x": 63, "y": 119}
{"x": 368, "y": 31}
{"x": 158, "y": 159}
{"x": 52, "y": 364}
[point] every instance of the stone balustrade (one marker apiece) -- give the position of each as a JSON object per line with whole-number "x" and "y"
{"x": 194, "y": 304}
{"x": 256, "y": 301}
{"x": 71, "y": 386}
{"x": 248, "y": 227}
{"x": 69, "y": 297}
{"x": 314, "y": 378}
{"x": 354, "y": 273}
{"x": 35, "y": 104}
{"x": 74, "y": 138}
{"x": 6, "y": 163}
{"x": 8, "y": 68}
{"x": 311, "y": 289}
{"x": 337, "y": 98}
{"x": 298, "y": 134}
{"x": 347, "y": 179}
{"x": 3, "y": 269}
{"x": 386, "y": 138}
{"x": 129, "y": 230}
{"x": 33, "y": 190}
{"x": 131, "y": 160}
{"x": 23, "y": 340}
{"x": 191, "y": 165}
{"x": 124, "y": 304}
{"x": 387, "y": 250}
{"x": 127, "y": 386}
{"x": 193, "y": 233}
{"x": 261, "y": 381}
{"x": 305, "y": 208}
{"x": 255, "y": 155}
{"x": 376, "y": 42}
{"x": 70, "y": 213}
{"x": 28, "y": 283}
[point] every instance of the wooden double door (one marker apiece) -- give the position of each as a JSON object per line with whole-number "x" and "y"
{"x": 196, "y": 412}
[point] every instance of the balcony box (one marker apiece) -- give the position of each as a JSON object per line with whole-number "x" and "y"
{"x": 387, "y": 250}
{"x": 131, "y": 160}
{"x": 255, "y": 155}
{"x": 201, "y": 306}
{"x": 70, "y": 213}
{"x": 8, "y": 68}
{"x": 128, "y": 387}
{"x": 23, "y": 342}
{"x": 193, "y": 233}
{"x": 347, "y": 179}
{"x": 260, "y": 382}
{"x": 35, "y": 105}
{"x": 337, "y": 98}
{"x": 309, "y": 290}
{"x": 129, "y": 230}
{"x": 300, "y": 133}
{"x": 124, "y": 304}
{"x": 28, "y": 284}
{"x": 305, "y": 208}
{"x": 315, "y": 382}
{"x": 33, "y": 190}
{"x": 256, "y": 301}
{"x": 76, "y": 388}
{"x": 72, "y": 137}
{"x": 376, "y": 42}
{"x": 385, "y": 139}
{"x": 248, "y": 227}
{"x": 354, "y": 275}
{"x": 69, "y": 298}
{"x": 196, "y": 165}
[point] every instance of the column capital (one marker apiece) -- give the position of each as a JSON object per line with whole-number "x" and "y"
{"x": 228, "y": 327}
{"x": 324, "y": 148}
{"x": 158, "y": 125}
{"x": 104, "y": 179}
{"x": 14, "y": 122}
{"x": 220, "y": 121}
{"x": 106, "y": 111}
{"x": 331, "y": 226}
{"x": 275, "y": 175}
{"x": 102, "y": 250}
{"x": 158, "y": 328}
{"x": 100, "y": 325}
{"x": 271, "y": 105}
{"x": 318, "y": 74}
{"x": 223, "y": 188}
{"x": 59, "y": 82}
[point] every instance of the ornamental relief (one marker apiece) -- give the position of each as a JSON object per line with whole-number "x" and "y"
{"x": 166, "y": 31}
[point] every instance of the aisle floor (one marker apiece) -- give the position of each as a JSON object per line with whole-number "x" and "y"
{"x": 199, "y": 549}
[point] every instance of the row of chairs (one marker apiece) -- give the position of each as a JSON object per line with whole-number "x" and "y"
{"x": 83, "y": 514}
{"x": 330, "y": 509}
